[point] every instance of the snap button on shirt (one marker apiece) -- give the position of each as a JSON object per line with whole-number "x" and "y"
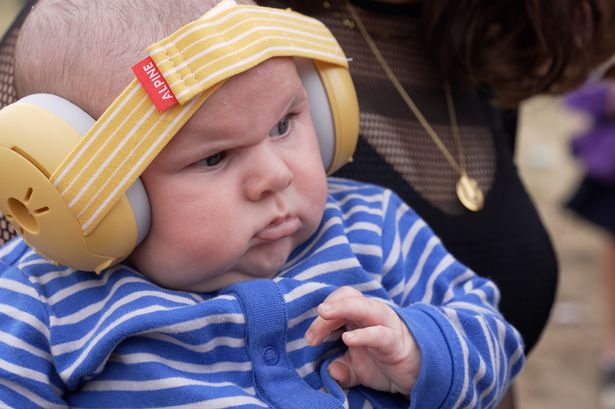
{"x": 271, "y": 356}
{"x": 275, "y": 379}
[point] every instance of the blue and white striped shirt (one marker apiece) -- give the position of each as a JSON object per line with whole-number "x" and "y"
{"x": 72, "y": 338}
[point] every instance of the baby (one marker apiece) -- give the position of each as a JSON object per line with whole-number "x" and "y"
{"x": 261, "y": 282}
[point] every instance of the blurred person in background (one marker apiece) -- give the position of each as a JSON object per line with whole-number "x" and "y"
{"x": 594, "y": 201}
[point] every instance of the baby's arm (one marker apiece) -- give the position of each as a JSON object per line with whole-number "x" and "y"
{"x": 454, "y": 350}
{"x": 27, "y": 375}
{"x": 382, "y": 354}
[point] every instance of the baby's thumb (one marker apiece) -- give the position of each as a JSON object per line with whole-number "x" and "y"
{"x": 341, "y": 370}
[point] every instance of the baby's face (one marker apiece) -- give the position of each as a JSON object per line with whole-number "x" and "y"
{"x": 238, "y": 188}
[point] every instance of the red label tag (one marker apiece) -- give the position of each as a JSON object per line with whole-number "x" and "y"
{"x": 154, "y": 84}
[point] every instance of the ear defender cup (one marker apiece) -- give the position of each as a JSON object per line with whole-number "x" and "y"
{"x": 36, "y": 134}
{"x": 334, "y": 108}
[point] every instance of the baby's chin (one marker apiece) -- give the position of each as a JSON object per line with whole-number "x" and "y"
{"x": 259, "y": 262}
{"x": 227, "y": 279}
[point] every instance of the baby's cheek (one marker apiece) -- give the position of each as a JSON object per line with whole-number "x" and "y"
{"x": 318, "y": 202}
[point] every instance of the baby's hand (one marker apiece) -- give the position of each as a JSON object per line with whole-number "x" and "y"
{"x": 382, "y": 354}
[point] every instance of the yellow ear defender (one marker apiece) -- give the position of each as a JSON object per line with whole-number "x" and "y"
{"x": 41, "y": 134}
{"x": 334, "y": 109}
{"x": 36, "y": 134}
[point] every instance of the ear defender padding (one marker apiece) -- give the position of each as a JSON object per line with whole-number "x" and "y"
{"x": 37, "y": 133}
{"x": 334, "y": 109}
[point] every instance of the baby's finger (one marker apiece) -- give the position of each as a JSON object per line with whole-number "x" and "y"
{"x": 342, "y": 293}
{"x": 378, "y": 338}
{"x": 321, "y": 329}
{"x": 343, "y": 372}
{"x": 364, "y": 311}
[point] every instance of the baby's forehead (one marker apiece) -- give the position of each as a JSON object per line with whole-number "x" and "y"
{"x": 273, "y": 70}
{"x": 249, "y": 103}
{"x": 272, "y": 84}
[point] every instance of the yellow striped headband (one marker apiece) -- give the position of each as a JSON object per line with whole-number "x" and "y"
{"x": 90, "y": 180}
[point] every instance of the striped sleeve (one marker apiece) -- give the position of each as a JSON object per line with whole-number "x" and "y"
{"x": 469, "y": 353}
{"x": 27, "y": 375}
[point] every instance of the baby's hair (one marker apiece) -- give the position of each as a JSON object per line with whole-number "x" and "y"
{"x": 82, "y": 50}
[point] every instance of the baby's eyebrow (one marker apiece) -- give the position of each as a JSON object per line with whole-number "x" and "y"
{"x": 214, "y": 141}
{"x": 298, "y": 98}
{"x": 211, "y": 140}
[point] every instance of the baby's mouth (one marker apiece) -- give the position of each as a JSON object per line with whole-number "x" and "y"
{"x": 279, "y": 227}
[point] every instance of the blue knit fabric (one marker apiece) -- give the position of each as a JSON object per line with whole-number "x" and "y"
{"x": 71, "y": 338}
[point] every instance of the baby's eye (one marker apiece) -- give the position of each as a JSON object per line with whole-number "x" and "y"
{"x": 212, "y": 160}
{"x": 282, "y": 127}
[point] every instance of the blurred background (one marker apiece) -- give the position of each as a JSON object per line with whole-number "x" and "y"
{"x": 8, "y": 11}
{"x": 562, "y": 372}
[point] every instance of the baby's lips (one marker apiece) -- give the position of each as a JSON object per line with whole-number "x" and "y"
{"x": 280, "y": 228}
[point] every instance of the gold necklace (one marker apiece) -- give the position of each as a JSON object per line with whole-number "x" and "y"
{"x": 467, "y": 189}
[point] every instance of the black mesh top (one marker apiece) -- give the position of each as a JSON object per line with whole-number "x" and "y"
{"x": 7, "y": 96}
{"x": 506, "y": 240}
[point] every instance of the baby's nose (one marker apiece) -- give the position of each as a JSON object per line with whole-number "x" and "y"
{"x": 270, "y": 174}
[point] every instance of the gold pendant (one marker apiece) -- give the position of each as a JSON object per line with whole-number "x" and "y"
{"x": 469, "y": 194}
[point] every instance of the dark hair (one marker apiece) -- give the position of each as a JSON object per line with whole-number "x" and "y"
{"x": 518, "y": 48}
{"x": 513, "y": 48}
